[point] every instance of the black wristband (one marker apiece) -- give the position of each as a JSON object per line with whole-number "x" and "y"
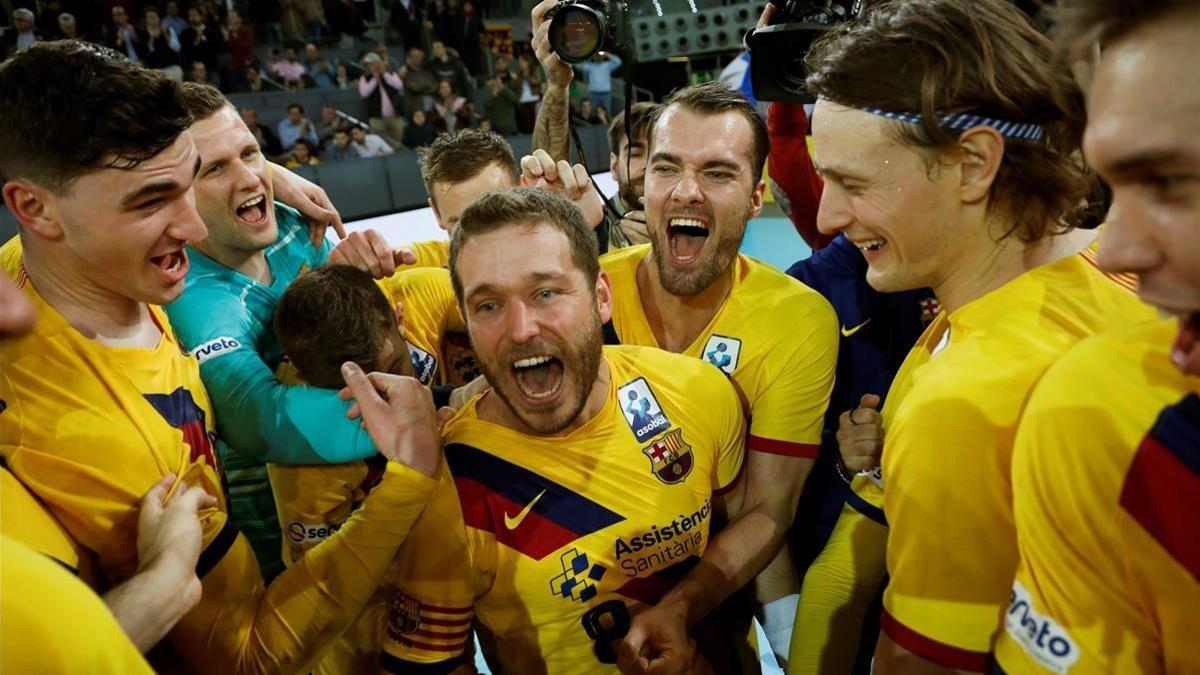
{"x": 841, "y": 470}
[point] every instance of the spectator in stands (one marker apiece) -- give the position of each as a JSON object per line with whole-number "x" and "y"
{"x": 501, "y": 109}
{"x": 447, "y": 65}
{"x": 46, "y": 22}
{"x": 161, "y": 47}
{"x": 303, "y": 154}
{"x": 200, "y": 41}
{"x": 420, "y": 84}
{"x": 252, "y": 80}
{"x": 600, "y": 115}
{"x": 240, "y": 40}
{"x": 390, "y": 64}
{"x": 406, "y": 18}
{"x": 173, "y": 19}
{"x": 345, "y": 19}
{"x": 68, "y": 28}
{"x": 122, "y": 37}
{"x": 384, "y": 93}
{"x": 468, "y": 116}
{"x": 328, "y": 124}
{"x": 504, "y": 68}
{"x": 341, "y": 78}
{"x": 473, "y": 39}
{"x": 368, "y": 145}
{"x": 320, "y": 69}
{"x": 288, "y": 69}
{"x": 341, "y": 148}
{"x": 582, "y": 112}
{"x": 199, "y": 73}
{"x": 446, "y": 106}
{"x": 306, "y": 15}
{"x": 531, "y": 94}
{"x": 22, "y": 34}
{"x": 419, "y": 133}
{"x": 442, "y": 21}
{"x": 296, "y": 126}
{"x": 268, "y": 142}
{"x": 598, "y": 75}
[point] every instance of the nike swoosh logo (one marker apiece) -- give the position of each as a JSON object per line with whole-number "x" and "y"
{"x": 847, "y": 332}
{"x": 513, "y": 522}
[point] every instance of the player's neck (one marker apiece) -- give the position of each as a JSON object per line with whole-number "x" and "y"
{"x": 977, "y": 271}
{"x": 250, "y": 264}
{"x": 99, "y": 314}
{"x": 677, "y": 320}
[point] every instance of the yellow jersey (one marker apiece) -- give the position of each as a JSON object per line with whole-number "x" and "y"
{"x": 36, "y": 635}
{"x": 431, "y": 253}
{"x": 784, "y": 375}
{"x": 1106, "y": 494}
{"x": 950, "y": 419}
{"x": 25, "y": 519}
{"x": 565, "y": 536}
{"x": 88, "y": 429}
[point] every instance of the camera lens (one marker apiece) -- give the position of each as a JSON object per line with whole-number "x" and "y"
{"x": 576, "y": 32}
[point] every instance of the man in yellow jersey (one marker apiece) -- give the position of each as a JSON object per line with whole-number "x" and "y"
{"x": 577, "y": 512}
{"x": 103, "y": 403}
{"x": 690, "y": 292}
{"x": 1106, "y": 468}
{"x": 958, "y": 172}
{"x": 44, "y": 571}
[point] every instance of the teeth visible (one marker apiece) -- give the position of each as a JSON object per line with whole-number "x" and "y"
{"x": 687, "y": 222}
{"x": 531, "y": 362}
{"x": 870, "y": 244}
{"x": 251, "y": 202}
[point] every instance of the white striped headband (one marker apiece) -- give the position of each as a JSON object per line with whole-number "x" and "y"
{"x": 1026, "y": 131}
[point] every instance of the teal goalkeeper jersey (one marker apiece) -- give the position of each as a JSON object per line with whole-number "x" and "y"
{"x": 223, "y": 319}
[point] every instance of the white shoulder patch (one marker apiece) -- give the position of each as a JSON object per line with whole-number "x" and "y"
{"x": 214, "y": 348}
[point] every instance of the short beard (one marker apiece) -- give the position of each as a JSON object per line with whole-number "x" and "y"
{"x": 688, "y": 284}
{"x": 584, "y": 360}
{"x": 629, "y": 195}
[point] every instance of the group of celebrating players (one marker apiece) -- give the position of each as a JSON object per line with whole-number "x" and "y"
{"x": 284, "y": 455}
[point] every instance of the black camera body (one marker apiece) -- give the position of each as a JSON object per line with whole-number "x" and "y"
{"x": 581, "y": 28}
{"x": 777, "y": 51}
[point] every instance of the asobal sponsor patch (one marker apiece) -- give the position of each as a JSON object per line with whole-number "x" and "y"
{"x": 214, "y": 348}
{"x": 1040, "y": 636}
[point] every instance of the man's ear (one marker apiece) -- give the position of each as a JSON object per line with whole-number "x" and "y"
{"x": 756, "y": 198}
{"x": 35, "y": 207}
{"x": 604, "y": 298}
{"x": 613, "y": 163}
{"x": 980, "y": 151}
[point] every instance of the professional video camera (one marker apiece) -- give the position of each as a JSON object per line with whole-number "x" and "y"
{"x": 777, "y": 51}
{"x": 580, "y": 28}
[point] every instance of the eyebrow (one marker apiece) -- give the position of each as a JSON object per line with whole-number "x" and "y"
{"x": 838, "y": 173}
{"x": 710, "y": 164}
{"x": 532, "y": 278}
{"x": 1144, "y": 161}
{"x": 157, "y": 187}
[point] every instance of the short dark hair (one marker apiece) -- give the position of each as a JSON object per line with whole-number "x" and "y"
{"x": 946, "y": 56}
{"x": 639, "y": 116}
{"x": 1082, "y": 22}
{"x": 331, "y": 315}
{"x": 715, "y": 98}
{"x": 297, "y": 106}
{"x": 202, "y": 100}
{"x": 463, "y": 154}
{"x": 525, "y": 206}
{"x": 305, "y": 142}
{"x": 70, "y": 107}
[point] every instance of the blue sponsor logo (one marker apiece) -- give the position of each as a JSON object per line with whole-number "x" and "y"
{"x": 643, "y": 414}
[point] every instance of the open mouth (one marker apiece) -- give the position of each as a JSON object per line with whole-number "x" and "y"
{"x": 686, "y": 238}
{"x": 174, "y": 264}
{"x": 538, "y": 377}
{"x": 253, "y": 211}
{"x": 871, "y": 245}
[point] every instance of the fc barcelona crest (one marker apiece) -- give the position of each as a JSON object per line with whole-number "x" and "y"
{"x": 404, "y": 616}
{"x": 670, "y": 457}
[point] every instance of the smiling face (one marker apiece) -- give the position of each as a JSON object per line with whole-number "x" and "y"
{"x": 881, "y": 194}
{"x": 534, "y": 321}
{"x": 700, "y": 191}
{"x": 233, "y": 188}
{"x": 124, "y": 230}
{"x": 1148, "y": 151}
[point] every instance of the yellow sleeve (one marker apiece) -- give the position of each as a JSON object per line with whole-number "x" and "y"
{"x": 837, "y": 593}
{"x": 789, "y": 414}
{"x": 951, "y": 550}
{"x": 53, "y": 623}
{"x": 429, "y": 617}
{"x": 240, "y": 627}
{"x": 431, "y": 253}
{"x": 731, "y": 431}
{"x": 313, "y": 501}
{"x": 25, "y": 519}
